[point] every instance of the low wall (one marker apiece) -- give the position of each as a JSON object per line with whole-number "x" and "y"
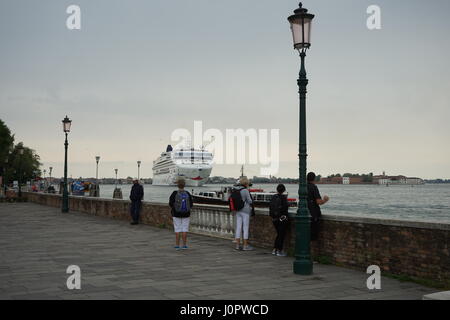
{"x": 417, "y": 249}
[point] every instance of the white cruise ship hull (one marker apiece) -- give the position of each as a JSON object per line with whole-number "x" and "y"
{"x": 193, "y": 165}
{"x": 194, "y": 175}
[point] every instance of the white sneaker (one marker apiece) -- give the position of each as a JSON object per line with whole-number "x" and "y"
{"x": 281, "y": 254}
{"x": 274, "y": 252}
{"x": 248, "y": 248}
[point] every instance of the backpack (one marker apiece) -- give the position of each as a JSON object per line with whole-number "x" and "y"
{"x": 275, "y": 206}
{"x": 235, "y": 201}
{"x": 182, "y": 202}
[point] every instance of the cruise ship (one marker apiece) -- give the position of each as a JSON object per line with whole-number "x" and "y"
{"x": 194, "y": 165}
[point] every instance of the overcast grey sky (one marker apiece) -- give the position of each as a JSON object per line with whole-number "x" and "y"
{"x": 377, "y": 100}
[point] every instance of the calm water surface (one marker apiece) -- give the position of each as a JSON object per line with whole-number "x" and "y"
{"x": 429, "y": 202}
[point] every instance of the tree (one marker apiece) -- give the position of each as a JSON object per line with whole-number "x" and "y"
{"x": 6, "y": 142}
{"x": 22, "y": 167}
{"x": 347, "y": 175}
{"x": 16, "y": 166}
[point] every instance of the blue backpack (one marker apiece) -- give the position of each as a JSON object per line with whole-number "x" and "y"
{"x": 182, "y": 202}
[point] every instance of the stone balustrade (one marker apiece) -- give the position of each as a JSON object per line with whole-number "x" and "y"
{"x": 212, "y": 220}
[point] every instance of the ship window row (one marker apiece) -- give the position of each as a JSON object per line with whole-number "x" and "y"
{"x": 163, "y": 171}
{"x": 193, "y": 154}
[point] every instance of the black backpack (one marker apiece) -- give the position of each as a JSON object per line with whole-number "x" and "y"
{"x": 276, "y": 206}
{"x": 235, "y": 201}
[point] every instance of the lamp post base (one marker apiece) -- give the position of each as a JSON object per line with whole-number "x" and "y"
{"x": 303, "y": 267}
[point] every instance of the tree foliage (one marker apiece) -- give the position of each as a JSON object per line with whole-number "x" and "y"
{"x": 16, "y": 166}
{"x": 6, "y": 141}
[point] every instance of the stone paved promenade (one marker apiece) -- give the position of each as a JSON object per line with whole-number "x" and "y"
{"x": 120, "y": 261}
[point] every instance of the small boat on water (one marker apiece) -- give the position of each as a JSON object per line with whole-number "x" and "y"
{"x": 261, "y": 199}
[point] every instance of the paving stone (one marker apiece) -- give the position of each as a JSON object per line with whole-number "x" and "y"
{"x": 119, "y": 261}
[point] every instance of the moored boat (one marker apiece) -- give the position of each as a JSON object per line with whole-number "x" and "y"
{"x": 261, "y": 199}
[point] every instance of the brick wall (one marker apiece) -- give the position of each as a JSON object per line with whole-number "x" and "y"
{"x": 417, "y": 249}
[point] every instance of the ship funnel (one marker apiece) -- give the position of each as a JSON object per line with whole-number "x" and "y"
{"x": 169, "y": 148}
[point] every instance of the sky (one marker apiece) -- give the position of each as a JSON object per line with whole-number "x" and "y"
{"x": 378, "y": 100}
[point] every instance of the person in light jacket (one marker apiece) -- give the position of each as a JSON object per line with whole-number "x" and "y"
{"x": 243, "y": 217}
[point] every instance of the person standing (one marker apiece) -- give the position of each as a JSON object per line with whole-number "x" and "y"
{"x": 243, "y": 213}
{"x": 136, "y": 196}
{"x": 181, "y": 202}
{"x": 314, "y": 203}
{"x": 278, "y": 210}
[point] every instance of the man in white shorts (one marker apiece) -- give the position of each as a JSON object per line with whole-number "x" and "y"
{"x": 181, "y": 203}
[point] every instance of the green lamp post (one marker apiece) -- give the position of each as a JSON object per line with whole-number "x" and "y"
{"x": 65, "y": 197}
{"x": 139, "y": 166}
{"x": 300, "y": 23}
{"x": 20, "y": 171}
{"x": 97, "y": 159}
{"x": 50, "y": 174}
{"x": 5, "y": 183}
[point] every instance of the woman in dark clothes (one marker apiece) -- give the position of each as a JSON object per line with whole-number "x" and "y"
{"x": 278, "y": 210}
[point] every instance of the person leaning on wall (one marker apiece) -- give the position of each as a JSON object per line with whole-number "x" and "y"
{"x": 314, "y": 202}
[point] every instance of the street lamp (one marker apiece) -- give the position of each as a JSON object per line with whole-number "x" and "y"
{"x": 44, "y": 179}
{"x": 65, "y": 198}
{"x": 97, "y": 188}
{"x": 300, "y": 23}
{"x": 35, "y": 173}
{"x": 116, "y": 176}
{"x": 5, "y": 183}
{"x": 97, "y": 159}
{"x": 20, "y": 171}
{"x": 50, "y": 173}
{"x": 139, "y": 165}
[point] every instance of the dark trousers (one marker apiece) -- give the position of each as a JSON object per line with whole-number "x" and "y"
{"x": 134, "y": 210}
{"x": 281, "y": 227}
{"x": 315, "y": 228}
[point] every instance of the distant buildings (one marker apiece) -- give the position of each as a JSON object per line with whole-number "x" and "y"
{"x": 381, "y": 179}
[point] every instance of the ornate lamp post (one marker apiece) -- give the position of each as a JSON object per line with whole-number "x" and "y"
{"x": 97, "y": 159}
{"x": 300, "y": 23}
{"x": 20, "y": 171}
{"x": 45, "y": 181}
{"x": 139, "y": 165}
{"x": 5, "y": 183}
{"x": 97, "y": 187}
{"x": 65, "y": 197}
{"x": 50, "y": 174}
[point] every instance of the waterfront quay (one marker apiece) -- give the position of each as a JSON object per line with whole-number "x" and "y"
{"x": 120, "y": 261}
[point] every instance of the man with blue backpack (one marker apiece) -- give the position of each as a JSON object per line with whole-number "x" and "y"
{"x": 181, "y": 203}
